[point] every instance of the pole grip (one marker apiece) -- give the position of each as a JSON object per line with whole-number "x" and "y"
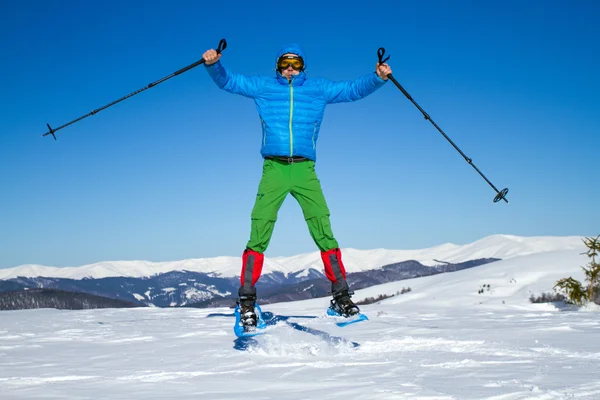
{"x": 380, "y": 54}
{"x": 222, "y": 46}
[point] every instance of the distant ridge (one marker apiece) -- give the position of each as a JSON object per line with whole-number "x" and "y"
{"x": 186, "y": 288}
{"x": 495, "y": 246}
{"x": 284, "y": 278}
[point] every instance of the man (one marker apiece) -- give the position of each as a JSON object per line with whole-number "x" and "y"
{"x": 291, "y": 107}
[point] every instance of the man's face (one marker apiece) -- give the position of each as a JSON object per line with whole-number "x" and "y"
{"x": 289, "y": 71}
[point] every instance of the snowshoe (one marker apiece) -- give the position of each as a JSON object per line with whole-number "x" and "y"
{"x": 248, "y": 319}
{"x": 343, "y": 305}
{"x": 344, "y": 310}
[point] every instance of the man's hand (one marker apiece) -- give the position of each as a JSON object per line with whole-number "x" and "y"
{"x": 383, "y": 70}
{"x": 211, "y": 56}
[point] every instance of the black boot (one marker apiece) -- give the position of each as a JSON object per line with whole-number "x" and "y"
{"x": 247, "y": 302}
{"x": 343, "y": 304}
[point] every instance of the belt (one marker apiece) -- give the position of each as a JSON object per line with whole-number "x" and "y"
{"x": 289, "y": 160}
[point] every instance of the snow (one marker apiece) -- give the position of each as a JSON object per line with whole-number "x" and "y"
{"x": 442, "y": 340}
{"x": 496, "y": 246}
{"x": 304, "y": 273}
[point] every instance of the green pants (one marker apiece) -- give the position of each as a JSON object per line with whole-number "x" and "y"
{"x": 278, "y": 179}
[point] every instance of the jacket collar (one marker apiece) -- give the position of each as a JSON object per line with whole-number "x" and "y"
{"x": 297, "y": 80}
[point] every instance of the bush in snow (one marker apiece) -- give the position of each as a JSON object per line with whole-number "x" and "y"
{"x": 547, "y": 298}
{"x": 371, "y": 300}
{"x": 483, "y": 289}
{"x": 576, "y": 292}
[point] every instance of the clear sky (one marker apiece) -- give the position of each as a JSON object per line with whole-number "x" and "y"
{"x": 172, "y": 173}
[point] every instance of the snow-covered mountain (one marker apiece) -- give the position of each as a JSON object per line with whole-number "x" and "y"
{"x": 495, "y": 246}
{"x": 186, "y": 288}
{"x": 213, "y": 282}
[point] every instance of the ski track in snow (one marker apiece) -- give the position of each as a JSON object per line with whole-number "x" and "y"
{"x": 444, "y": 353}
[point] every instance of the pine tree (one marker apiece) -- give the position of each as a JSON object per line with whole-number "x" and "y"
{"x": 592, "y": 273}
{"x": 575, "y": 291}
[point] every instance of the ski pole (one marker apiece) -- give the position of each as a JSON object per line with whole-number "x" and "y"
{"x": 500, "y": 195}
{"x": 222, "y": 46}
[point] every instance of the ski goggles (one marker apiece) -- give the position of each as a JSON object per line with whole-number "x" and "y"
{"x": 297, "y": 63}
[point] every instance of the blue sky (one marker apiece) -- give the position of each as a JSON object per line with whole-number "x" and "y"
{"x": 172, "y": 173}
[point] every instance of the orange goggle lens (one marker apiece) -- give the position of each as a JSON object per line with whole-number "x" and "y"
{"x": 295, "y": 62}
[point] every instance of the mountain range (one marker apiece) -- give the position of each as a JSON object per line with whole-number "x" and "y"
{"x": 214, "y": 282}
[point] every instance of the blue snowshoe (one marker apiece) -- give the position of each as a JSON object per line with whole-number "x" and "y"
{"x": 248, "y": 319}
{"x": 342, "y": 306}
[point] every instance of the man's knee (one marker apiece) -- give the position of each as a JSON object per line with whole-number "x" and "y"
{"x": 261, "y": 231}
{"x": 321, "y": 232}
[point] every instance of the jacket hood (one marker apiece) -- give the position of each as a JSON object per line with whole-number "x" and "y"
{"x": 291, "y": 48}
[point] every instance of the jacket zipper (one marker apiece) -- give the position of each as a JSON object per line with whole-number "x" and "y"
{"x": 291, "y": 116}
{"x": 313, "y": 136}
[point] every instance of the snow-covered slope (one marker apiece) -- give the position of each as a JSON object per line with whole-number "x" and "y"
{"x": 503, "y": 283}
{"x": 496, "y": 246}
{"x": 443, "y": 340}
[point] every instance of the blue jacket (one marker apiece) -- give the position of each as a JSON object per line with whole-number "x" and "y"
{"x": 291, "y": 112}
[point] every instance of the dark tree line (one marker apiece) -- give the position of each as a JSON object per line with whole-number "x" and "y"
{"x": 59, "y": 299}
